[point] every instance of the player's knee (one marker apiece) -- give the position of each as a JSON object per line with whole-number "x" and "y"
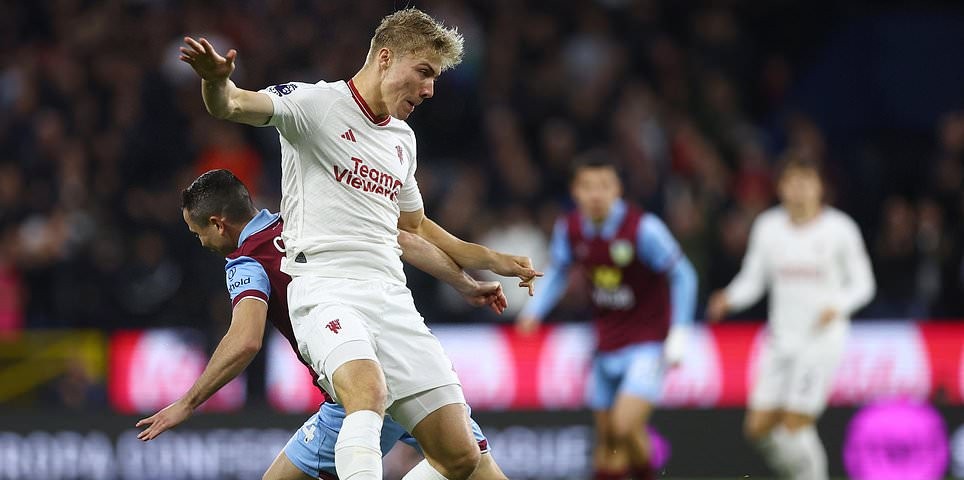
{"x": 623, "y": 433}
{"x": 373, "y": 399}
{"x": 793, "y": 422}
{"x": 755, "y": 431}
{"x": 360, "y": 385}
{"x": 463, "y": 464}
{"x": 602, "y": 430}
{"x": 604, "y": 435}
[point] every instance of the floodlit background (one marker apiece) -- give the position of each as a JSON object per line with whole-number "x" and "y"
{"x": 109, "y": 308}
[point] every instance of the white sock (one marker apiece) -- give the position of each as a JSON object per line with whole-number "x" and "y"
{"x": 358, "y": 453}
{"x": 423, "y": 471}
{"x": 808, "y": 458}
{"x": 771, "y": 448}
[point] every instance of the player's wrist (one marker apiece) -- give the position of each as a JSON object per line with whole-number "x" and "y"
{"x": 189, "y": 401}
{"x": 465, "y": 284}
{"x": 215, "y": 82}
{"x": 502, "y": 261}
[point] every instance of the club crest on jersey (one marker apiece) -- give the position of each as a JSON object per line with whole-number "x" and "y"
{"x": 282, "y": 89}
{"x": 401, "y": 157}
{"x": 621, "y": 252}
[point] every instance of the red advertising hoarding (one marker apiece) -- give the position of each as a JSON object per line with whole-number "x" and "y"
{"x": 149, "y": 369}
{"x": 501, "y": 370}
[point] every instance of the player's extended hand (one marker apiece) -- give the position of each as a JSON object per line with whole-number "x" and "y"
{"x": 206, "y": 61}
{"x": 526, "y": 325}
{"x": 486, "y": 294}
{"x": 517, "y": 266}
{"x": 717, "y": 306}
{"x": 166, "y": 419}
{"x": 675, "y": 346}
{"x": 826, "y": 316}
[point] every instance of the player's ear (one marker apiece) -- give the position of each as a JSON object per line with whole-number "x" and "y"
{"x": 384, "y": 57}
{"x": 217, "y": 222}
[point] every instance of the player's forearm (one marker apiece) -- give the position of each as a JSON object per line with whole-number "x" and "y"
{"x": 217, "y": 97}
{"x": 228, "y": 361}
{"x": 430, "y": 259}
{"x": 745, "y": 290}
{"x": 235, "y": 351}
{"x": 683, "y": 288}
{"x": 860, "y": 290}
{"x": 750, "y": 283}
{"x": 470, "y": 256}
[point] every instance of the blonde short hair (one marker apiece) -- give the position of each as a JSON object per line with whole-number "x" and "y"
{"x": 413, "y": 31}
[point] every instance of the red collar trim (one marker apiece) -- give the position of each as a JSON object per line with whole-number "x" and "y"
{"x": 381, "y": 122}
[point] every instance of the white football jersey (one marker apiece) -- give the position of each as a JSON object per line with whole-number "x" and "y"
{"x": 807, "y": 268}
{"x": 345, "y": 177}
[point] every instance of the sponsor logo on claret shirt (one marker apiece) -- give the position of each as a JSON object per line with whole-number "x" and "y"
{"x": 243, "y": 281}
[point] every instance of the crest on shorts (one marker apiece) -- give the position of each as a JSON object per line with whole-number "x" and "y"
{"x": 282, "y": 89}
{"x": 309, "y": 431}
{"x": 621, "y": 252}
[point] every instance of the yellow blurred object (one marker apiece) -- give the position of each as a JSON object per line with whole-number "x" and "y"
{"x": 607, "y": 277}
{"x": 36, "y": 357}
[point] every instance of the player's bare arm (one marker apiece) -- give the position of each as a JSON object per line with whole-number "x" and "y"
{"x": 428, "y": 258}
{"x": 827, "y": 316}
{"x": 233, "y": 354}
{"x": 469, "y": 255}
{"x": 222, "y": 98}
{"x": 717, "y": 306}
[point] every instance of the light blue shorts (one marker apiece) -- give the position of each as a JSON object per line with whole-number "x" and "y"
{"x": 312, "y": 447}
{"x": 636, "y": 370}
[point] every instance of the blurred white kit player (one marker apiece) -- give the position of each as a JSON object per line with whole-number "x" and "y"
{"x": 811, "y": 260}
{"x": 808, "y": 268}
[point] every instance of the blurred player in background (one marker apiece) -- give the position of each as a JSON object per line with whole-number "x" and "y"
{"x": 642, "y": 285}
{"x": 348, "y": 186}
{"x": 217, "y": 209}
{"x": 812, "y": 261}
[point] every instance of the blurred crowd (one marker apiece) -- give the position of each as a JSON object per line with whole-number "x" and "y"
{"x": 101, "y": 127}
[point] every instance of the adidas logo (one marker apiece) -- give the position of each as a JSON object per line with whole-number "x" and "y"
{"x": 349, "y": 135}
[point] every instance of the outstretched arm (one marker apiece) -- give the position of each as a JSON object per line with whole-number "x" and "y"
{"x": 428, "y": 258}
{"x": 469, "y": 255}
{"x": 233, "y": 354}
{"x": 661, "y": 252}
{"x": 749, "y": 284}
{"x": 859, "y": 276}
{"x": 222, "y": 98}
{"x": 860, "y": 286}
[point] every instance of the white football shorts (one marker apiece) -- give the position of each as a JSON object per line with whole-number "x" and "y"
{"x": 367, "y": 319}
{"x": 797, "y": 381}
